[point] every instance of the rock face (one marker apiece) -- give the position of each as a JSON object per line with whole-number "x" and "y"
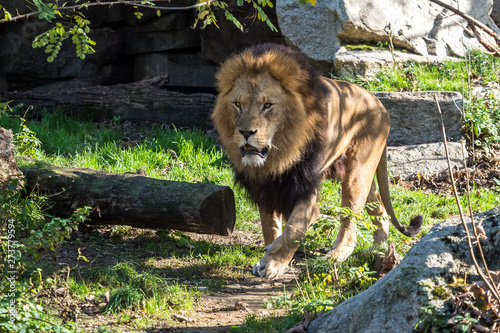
{"x": 417, "y": 26}
{"x": 392, "y": 304}
{"x": 128, "y": 49}
{"x": 415, "y": 118}
{"x": 353, "y": 63}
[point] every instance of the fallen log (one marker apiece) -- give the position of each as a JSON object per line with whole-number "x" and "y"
{"x": 134, "y": 200}
{"x": 147, "y": 100}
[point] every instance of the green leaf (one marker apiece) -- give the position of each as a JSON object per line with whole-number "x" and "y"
{"x": 233, "y": 19}
{"x": 203, "y": 14}
{"x": 50, "y": 59}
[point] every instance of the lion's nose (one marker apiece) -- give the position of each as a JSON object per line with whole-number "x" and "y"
{"x": 247, "y": 134}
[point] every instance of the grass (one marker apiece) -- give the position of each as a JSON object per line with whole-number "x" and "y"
{"x": 149, "y": 274}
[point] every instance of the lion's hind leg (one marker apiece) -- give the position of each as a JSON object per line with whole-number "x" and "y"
{"x": 357, "y": 189}
{"x": 380, "y": 218}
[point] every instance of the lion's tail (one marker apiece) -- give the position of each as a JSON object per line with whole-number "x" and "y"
{"x": 383, "y": 184}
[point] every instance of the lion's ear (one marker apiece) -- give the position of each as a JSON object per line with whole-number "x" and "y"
{"x": 286, "y": 70}
{"x": 229, "y": 72}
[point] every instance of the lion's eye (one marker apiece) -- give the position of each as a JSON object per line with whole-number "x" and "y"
{"x": 237, "y": 104}
{"x": 267, "y": 105}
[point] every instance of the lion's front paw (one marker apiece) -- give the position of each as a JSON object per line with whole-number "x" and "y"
{"x": 269, "y": 268}
{"x": 273, "y": 263}
{"x": 340, "y": 253}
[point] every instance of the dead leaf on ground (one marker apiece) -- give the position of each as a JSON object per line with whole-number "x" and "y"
{"x": 182, "y": 318}
{"x": 391, "y": 260}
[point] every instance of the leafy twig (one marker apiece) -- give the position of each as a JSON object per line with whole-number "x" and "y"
{"x": 136, "y": 3}
{"x": 464, "y": 224}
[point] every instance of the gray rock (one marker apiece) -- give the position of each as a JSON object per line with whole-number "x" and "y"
{"x": 363, "y": 63}
{"x": 8, "y": 164}
{"x": 495, "y": 12}
{"x": 427, "y": 158}
{"x": 417, "y": 26}
{"x": 392, "y": 304}
{"x": 415, "y": 118}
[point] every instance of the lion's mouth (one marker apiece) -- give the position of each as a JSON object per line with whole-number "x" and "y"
{"x": 251, "y": 150}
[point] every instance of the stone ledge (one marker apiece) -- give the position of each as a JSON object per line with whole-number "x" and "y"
{"x": 428, "y": 158}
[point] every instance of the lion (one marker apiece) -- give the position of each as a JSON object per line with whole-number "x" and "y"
{"x": 286, "y": 128}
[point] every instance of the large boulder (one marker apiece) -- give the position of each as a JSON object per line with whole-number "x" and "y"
{"x": 393, "y": 303}
{"x": 427, "y": 159}
{"x": 420, "y": 26}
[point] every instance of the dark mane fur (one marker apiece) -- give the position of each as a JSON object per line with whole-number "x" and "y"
{"x": 280, "y": 193}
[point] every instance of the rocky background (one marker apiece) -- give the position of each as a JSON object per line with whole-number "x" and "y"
{"x": 129, "y": 50}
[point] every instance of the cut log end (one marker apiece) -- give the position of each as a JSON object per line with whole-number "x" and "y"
{"x": 219, "y": 206}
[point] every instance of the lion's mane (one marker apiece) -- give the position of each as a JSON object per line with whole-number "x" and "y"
{"x": 292, "y": 170}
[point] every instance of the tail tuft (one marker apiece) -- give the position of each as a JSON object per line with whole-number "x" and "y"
{"x": 415, "y": 225}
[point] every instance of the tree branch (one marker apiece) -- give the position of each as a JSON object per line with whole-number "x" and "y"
{"x": 473, "y": 25}
{"x": 112, "y": 3}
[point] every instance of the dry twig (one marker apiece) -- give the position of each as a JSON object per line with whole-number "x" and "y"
{"x": 479, "y": 29}
{"x": 491, "y": 285}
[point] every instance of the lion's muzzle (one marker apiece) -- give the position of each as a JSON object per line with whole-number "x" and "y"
{"x": 251, "y": 150}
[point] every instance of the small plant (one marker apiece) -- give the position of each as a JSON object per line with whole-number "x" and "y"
{"x": 431, "y": 320}
{"x": 28, "y": 229}
{"x": 482, "y": 118}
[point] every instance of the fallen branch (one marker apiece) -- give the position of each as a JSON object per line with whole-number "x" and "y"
{"x": 486, "y": 279}
{"x": 146, "y": 100}
{"x": 138, "y": 201}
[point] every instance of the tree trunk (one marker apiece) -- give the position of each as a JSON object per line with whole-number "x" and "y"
{"x": 138, "y": 201}
{"x": 147, "y": 100}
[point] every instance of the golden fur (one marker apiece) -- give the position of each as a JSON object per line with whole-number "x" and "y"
{"x": 286, "y": 128}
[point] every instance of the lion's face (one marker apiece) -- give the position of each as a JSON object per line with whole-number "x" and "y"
{"x": 258, "y": 104}
{"x": 264, "y": 112}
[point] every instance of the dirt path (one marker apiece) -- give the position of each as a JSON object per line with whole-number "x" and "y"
{"x": 218, "y": 311}
{"x": 215, "y": 309}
